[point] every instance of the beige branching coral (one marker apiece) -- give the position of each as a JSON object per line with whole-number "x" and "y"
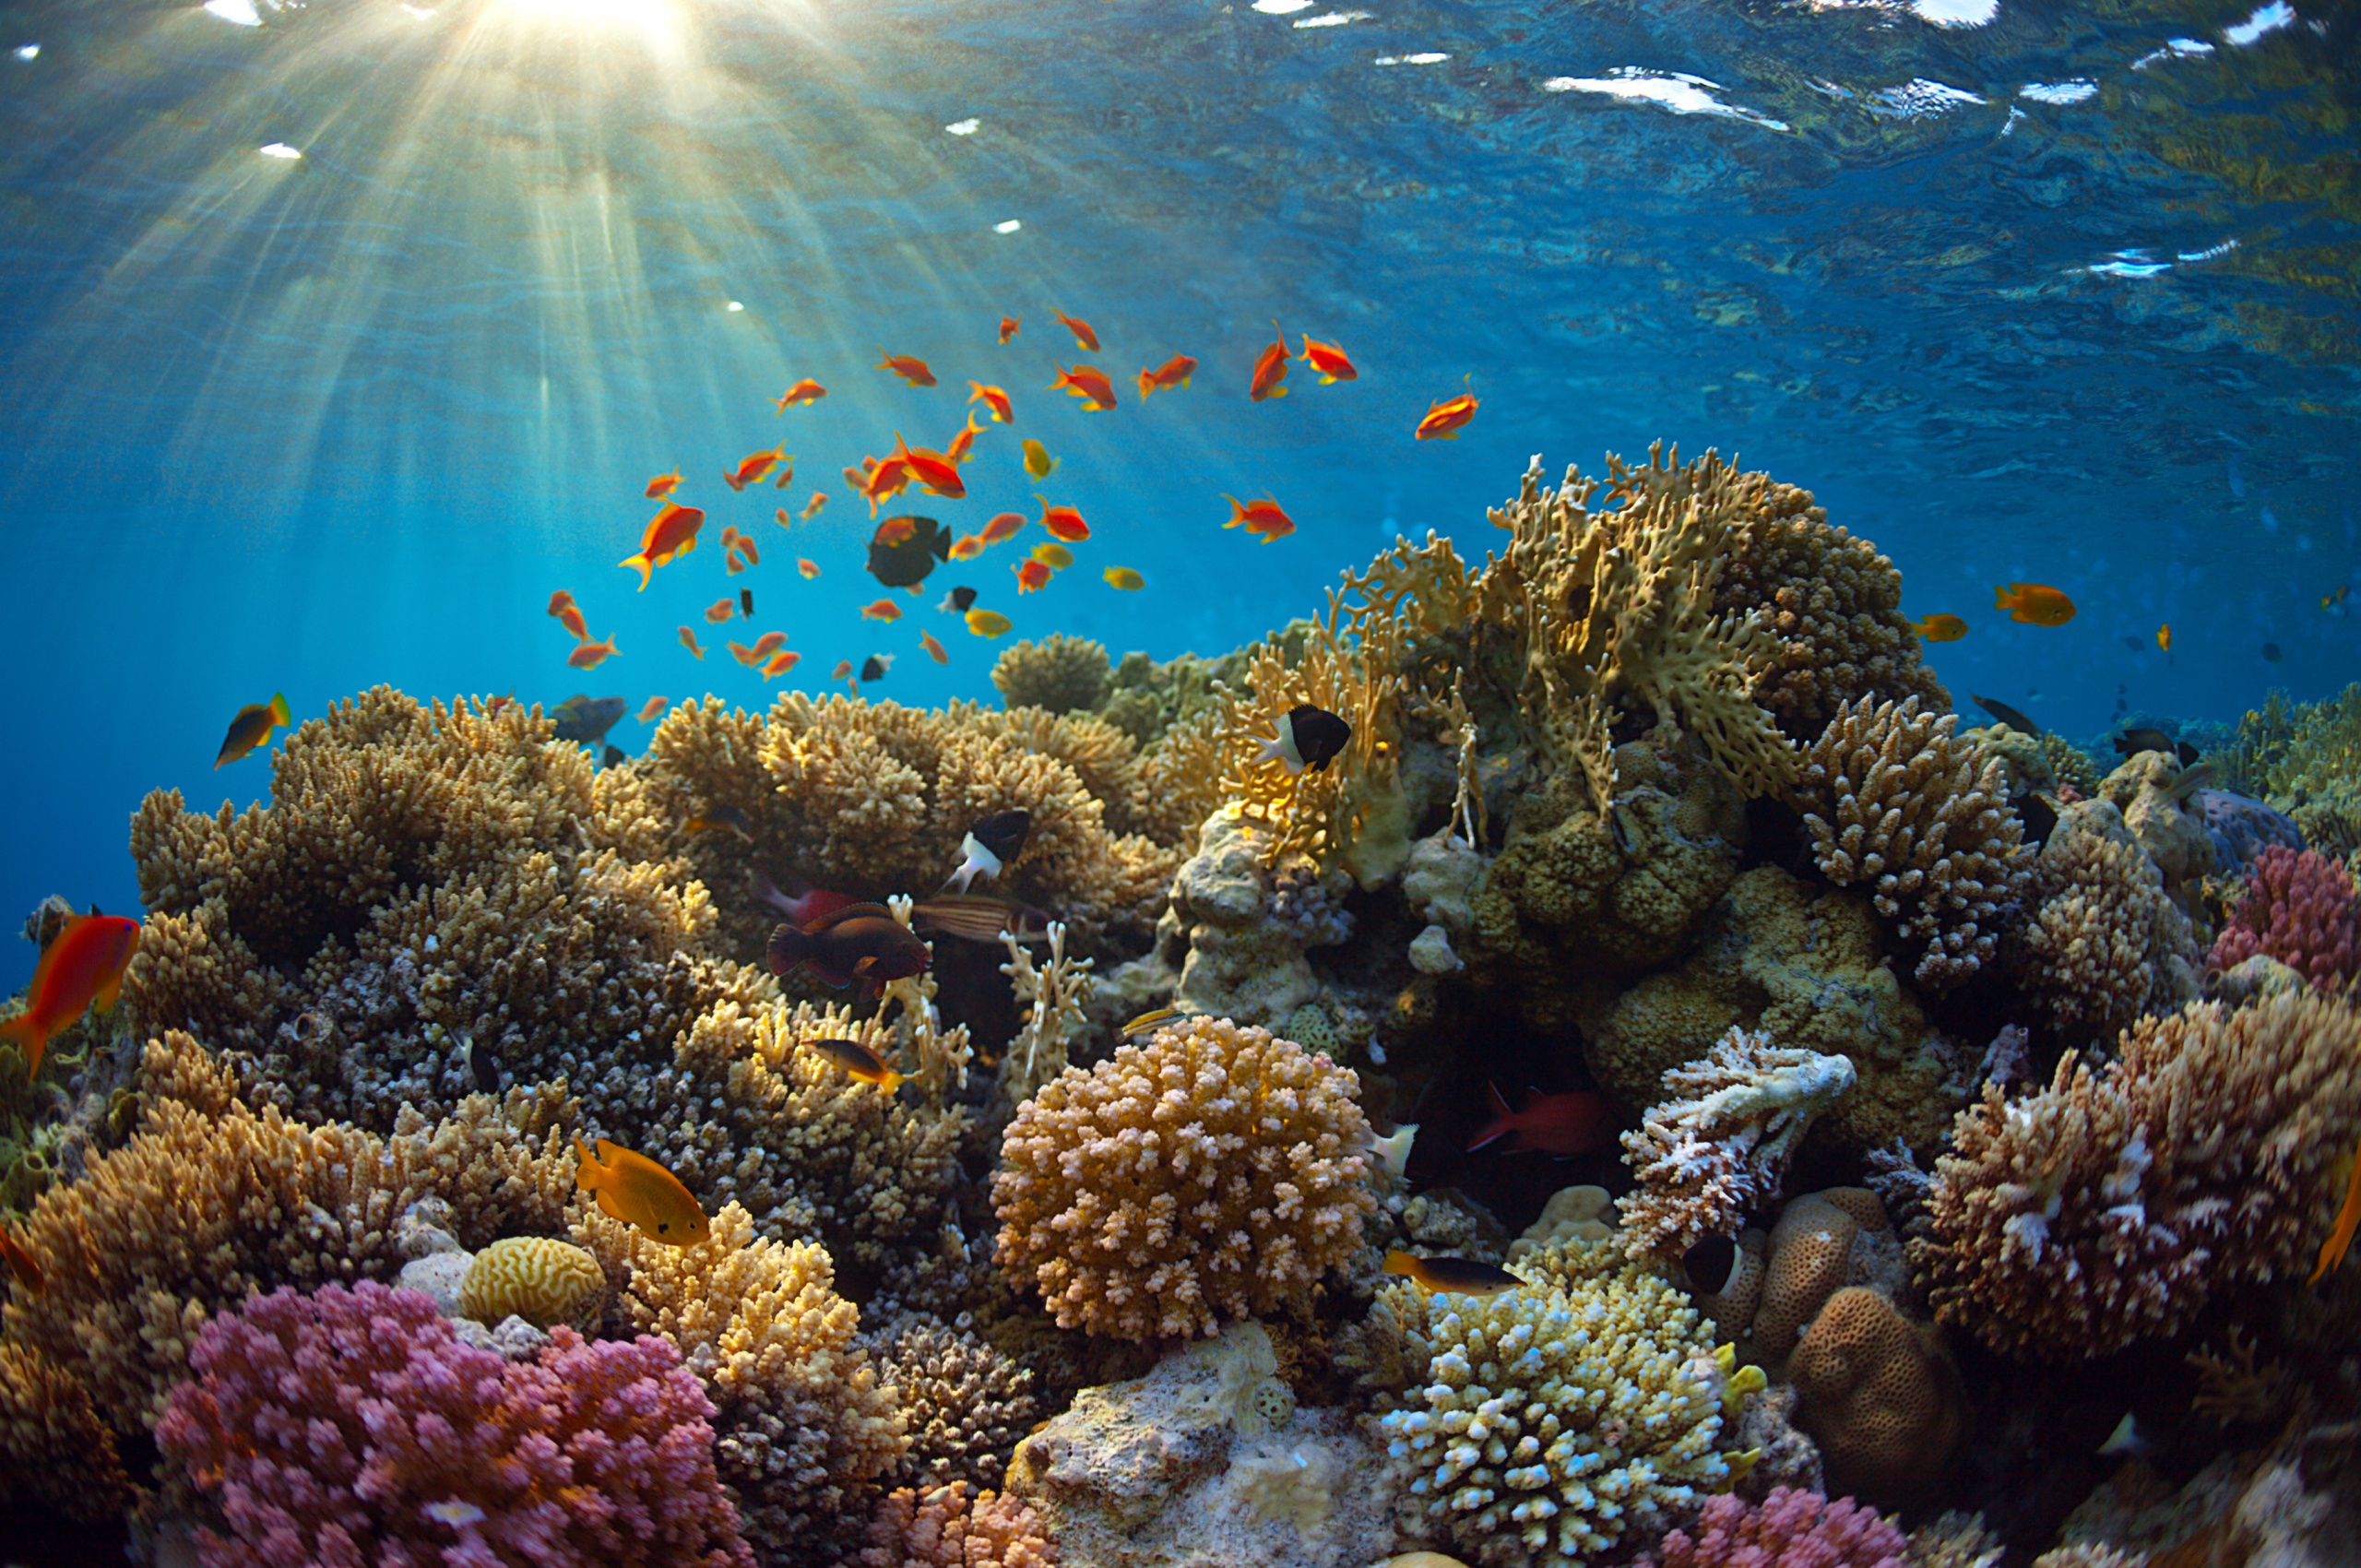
{"x": 2114, "y": 1205}
{"x": 1053, "y": 997}
{"x": 965, "y": 1403}
{"x": 1215, "y": 1170}
{"x": 2105, "y": 944}
{"x": 1922, "y": 820}
{"x": 1059, "y": 674}
{"x": 955, "y": 1527}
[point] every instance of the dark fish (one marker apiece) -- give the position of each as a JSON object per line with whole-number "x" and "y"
{"x": 613, "y": 756}
{"x": 2133, "y": 742}
{"x": 872, "y": 668}
{"x": 989, "y": 845}
{"x": 720, "y": 819}
{"x": 1709, "y": 1264}
{"x": 1461, "y": 1276}
{"x": 959, "y": 600}
{"x": 2007, "y": 715}
{"x": 2200, "y": 776}
{"x": 484, "y": 1067}
{"x": 2039, "y": 818}
{"x": 1309, "y": 737}
{"x": 904, "y": 561}
{"x": 2187, "y": 752}
{"x": 2134, "y": 644}
{"x": 860, "y": 943}
{"x": 587, "y": 719}
{"x": 746, "y": 603}
{"x": 2271, "y": 653}
{"x": 980, "y": 917}
{"x": 859, "y": 1063}
{"x": 252, "y": 728}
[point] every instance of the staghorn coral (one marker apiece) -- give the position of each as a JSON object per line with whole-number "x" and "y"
{"x": 2105, "y": 944}
{"x": 354, "y": 1425}
{"x": 1718, "y": 1146}
{"x": 1880, "y": 1396}
{"x": 964, "y": 1403}
{"x": 538, "y": 1278}
{"x": 1894, "y": 802}
{"x": 954, "y": 1526}
{"x": 1053, "y": 997}
{"x": 2111, "y": 1206}
{"x": 1548, "y": 1424}
{"x": 1953, "y": 1539}
{"x": 803, "y": 1430}
{"x": 1058, "y": 674}
{"x": 1216, "y": 1170}
{"x": 2299, "y": 907}
{"x": 1787, "y": 1530}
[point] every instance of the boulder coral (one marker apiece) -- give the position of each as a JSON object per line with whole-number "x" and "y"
{"x": 2105, "y": 945}
{"x": 1881, "y": 1397}
{"x": 1058, "y": 674}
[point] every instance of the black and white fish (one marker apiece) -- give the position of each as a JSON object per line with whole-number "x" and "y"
{"x": 989, "y": 845}
{"x": 1309, "y": 737}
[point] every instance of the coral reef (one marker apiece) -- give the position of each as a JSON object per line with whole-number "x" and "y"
{"x": 2242, "y": 829}
{"x": 2112, "y": 1205}
{"x": 1880, "y": 1396}
{"x": 2299, "y": 907}
{"x": 1787, "y": 1530}
{"x": 2037, "y": 764}
{"x": 966, "y": 1404}
{"x": 2105, "y": 944}
{"x": 2162, "y": 817}
{"x": 951, "y": 1526}
{"x": 1058, "y": 674}
{"x": 538, "y": 1278}
{"x": 1216, "y": 1170}
{"x": 1822, "y": 1242}
{"x": 349, "y": 1426}
{"x": 1896, "y": 803}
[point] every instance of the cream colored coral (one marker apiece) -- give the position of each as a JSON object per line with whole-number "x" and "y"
{"x": 2105, "y": 945}
{"x": 1053, "y": 997}
{"x": 544, "y": 1281}
{"x": 1214, "y": 1171}
{"x": 54, "y": 1449}
{"x": 1060, "y": 674}
{"x": 951, "y": 1526}
{"x": 1719, "y": 1145}
{"x": 1548, "y": 1424}
{"x": 2114, "y": 1205}
{"x": 1895, "y": 803}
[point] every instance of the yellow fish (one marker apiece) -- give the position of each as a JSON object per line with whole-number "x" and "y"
{"x": 860, "y": 1063}
{"x": 635, "y": 1189}
{"x": 1941, "y": 628}
{"x": 2348, "y": 1219}
{"x": 1037, "y": 461}
{"x": 987, "y": 623}
{"x": 252, "y": 728}
{"x": 1460, "y": 1277}
{"x": 1050, "y": 553}
{"x": 1123, "y": 577}
{"x": 2165, "y": 636}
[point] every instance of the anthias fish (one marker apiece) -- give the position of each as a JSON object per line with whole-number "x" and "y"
{"x": 635, "y": 1189}
{"x": 1008, "y": 326}
{"x": 859, "y": 944}
{"x": 21, "y": 1266}
{"x": 989, "y": 845}
{"x": 1174, "y": 371}
{"x": 1570, "y": 1123}
{"x": 1063, "y": 522}
{"x": 1308, "y": 738}
{"x": 2348, "y": 1219}
{"x": 804, "y": 391}
{"x": 1454, "y": 1276}
{"x": 252, "y": 728}
{"x": 1088, "y": 383}
{"x": 1270, "y": 371}
{"x": 934, "y": 649}
{"x": 1444, "y": 420}
{"x": 663, "y": 485}
{"x": 586, "y": 719}
{"x": 1038, "y": 463}
{"x": 689, "y": 641}
{"x": 1329, "y": 360}
{"x": 996, "y": 399}
{"x": 859, "y": 1063}
{"x": 671, "y": 534}
{"x": 909, "y": 367}
{"x": 1081, "y": 330}
{"x": 81, "y": 967}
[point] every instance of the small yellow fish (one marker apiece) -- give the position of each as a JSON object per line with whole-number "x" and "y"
{"x": 2348, "y": 1219}
{"x": 859, "y": 1063}
{"x": 1051, "y": 554}
{"x": 2165, "y": 636}
{"x": 987, "y": 623}
{"x": 1037, "y": 461}
{"x": 1460, "y": 1277}
{"x": 1941, "y": 628}
{"x": 252, "y": 728}
{"x": 1123, "y": 577}
{"x": 1148, "y": 1022}
{"x": 635, "y": 1189}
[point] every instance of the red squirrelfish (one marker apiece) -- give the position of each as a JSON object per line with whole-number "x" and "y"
{"x": 1575, "y": 1122}
{"x": 81, "y": 967}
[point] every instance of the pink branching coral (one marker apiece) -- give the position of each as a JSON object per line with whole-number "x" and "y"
{"x": 955, "y": 1527}
{"x": 354, "y": 1426}
{"x": 2299, "y": 909}
{"x": 1787, "y": 1530}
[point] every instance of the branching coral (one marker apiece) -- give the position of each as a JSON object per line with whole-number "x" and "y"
{"x": 2299, "y": 907}
{"x": 1052, "y": 996}
{"x": 1718, "y": 1146}
{"x": 951, "y": 1526}
{"x": 1213, "y": 1170}
{"x": 1787, "y": 1530}
{"x": 1922, "y": 821}
{"x": 965, "y": 1403}
{"x": 354, "y": 1426}
{"x": 2113, "y": 1205}
{"x": 1550, "y": 1423}
{"x": 2105, "y": 944}
{"x": 1059, "y": 674}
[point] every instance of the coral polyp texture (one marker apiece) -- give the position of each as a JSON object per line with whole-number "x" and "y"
{"x": 2298, "y": 907}
{"x": 1788, "y": 1529}
{"x": 354, "y": 1426}
{"x": 1216, "y": 1171}
{"x": 954, "y": 1526}
{"x": 2114, "y": 1205}
{"x": 1058, "y": 674}
{"x": 2105, "y": 943}
{"x": 1545, "y": 1425}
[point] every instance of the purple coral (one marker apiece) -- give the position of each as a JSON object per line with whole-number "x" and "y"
{"x": 2297, "y": 908}
{"x": 1788, "y": 1529}
{"x": 353, "y": 1427}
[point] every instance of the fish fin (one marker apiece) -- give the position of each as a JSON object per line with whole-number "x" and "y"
{"x": 278, "y": 708}
{"x": 30, "y": 1038}
{"x": 109, "y": 993}
{"x": 1499, "y": 1127}
{"x": 647, "y": 568}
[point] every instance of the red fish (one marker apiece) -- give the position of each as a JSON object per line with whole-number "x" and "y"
{"x": 909, "y": 367}
{"x": 742, "y": 653}
{"x": 882, "y": 481}
{"x": 745, "y": 546}
{"x": 559, "y": 600}
{"x": 689, "y": 641}
{"x": 804, "y": 391}
{"x": 766, "y": 644}
{"x": 894, "y": 530}
{"x": 883, "y": 609}
{"x": 935, "y": 472}
{"x": 1090, "y": 383}
{"x": 778, "y": 516}
{"x": 721, "y": 609}
{"x": 808, "y": 567}
{"x": 82, "y": 966}
{"x": 993, "y": 398}
{"x": 781, "y": 662}
{"x": 1032, "y": 575}
{"x": 20, "y": 1261}
{"x": 843, "y": 671}
{"x": 1063, "y": 522}
{"x": 753, "y": 466}
{"x": 1328, "y": 359}
{"x": 1550, "y": 1123}
{"x": 569, "y": 615}
{"x": 589, "y": 655}
{"x": 1174, "y": 371}
{"x": 1263, "y": 518}
{"x": 1445, "y": 420}
{"x": 934, "y": 650}
{"x": 1270, "y": 369}
{"x": 650, "y": 708}
{"x": 859, "y": 942}
{"x": 663, "y": 485}
{"x": 812, "y": 507}
{"x": 967, "y": 547}
{"x": 1081, "y": 330}
{"x": 965, "y": 442}
{"x": 1008, "y": 325}
{"x": 786, "y": 475}
{"x": 671, "y": 533}
{"x": 1002, "y": 526}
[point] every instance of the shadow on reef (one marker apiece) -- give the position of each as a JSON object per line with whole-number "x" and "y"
{"x": 1868, "y": 1106}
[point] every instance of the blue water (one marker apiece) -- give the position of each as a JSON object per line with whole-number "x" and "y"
{"x": 2014, "y": 304}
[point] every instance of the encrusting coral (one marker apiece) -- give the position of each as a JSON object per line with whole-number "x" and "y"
{"x": 2114, "y": 1205}
{"x": 1787, "y": 1530}
{"x": 1214, "y": 1171}
{"x": 1058, "y": 674}
{"x": 2299, "y": 907}
{"x": 1896, "y": 803}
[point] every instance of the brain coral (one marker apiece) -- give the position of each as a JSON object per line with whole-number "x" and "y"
{"x": 1550, "y": 1423}
{"x": 2299, "y": 907}
{"x": 541, "y": 1280}
{"x": 1879, "y": 1397}
{"x": 2114, "y": 1205}
{"x": 1213, "y": 1170}
{"x": 1895, "y": 803}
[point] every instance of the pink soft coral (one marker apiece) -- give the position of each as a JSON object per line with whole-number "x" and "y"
{"x": 2297, "y": 908}
{"x": 354, "y": 1427}
{"x": 1788, "y": 1529}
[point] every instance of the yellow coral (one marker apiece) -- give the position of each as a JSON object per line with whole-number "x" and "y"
{"x": 1059, "y": 674}
{"x": 544, "y": 1281}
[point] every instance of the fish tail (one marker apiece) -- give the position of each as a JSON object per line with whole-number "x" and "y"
{"x": 787, "y": 948}
{"x": 646, "y": 567}
{"x": 1499, "y": 1127}
{"x": 1399, "y": 1261}
{"x": 279, "y": 711}
{"x": 28, "y": 1036}
{"x": 588, "y": 1173}
{"x": 1999, "y": 597}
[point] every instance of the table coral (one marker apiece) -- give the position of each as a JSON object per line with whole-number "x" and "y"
{"x": 2114, "y": 1205}
{"x": 1060, "y": 674}
{"x": 1787, "y": 1530}
{"x": 1718, "y": 1144}
{"x": 1549, "y": 1423}
{"x": 1880, "y": 1396}
{"x": 2105, "y": 945}
{"x": 1895, "y": 803}
{"x": 354, "y": 1425}
{"x": 2298, "y": 907}
{"x": 1214, "y": 1171}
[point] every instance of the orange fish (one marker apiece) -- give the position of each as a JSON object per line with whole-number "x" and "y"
{"x": 766, "y": 644}
{"x": 1081, "y": 330}
{"x": 1276, "y": 528}
{"x": 650, "y": 708}
{"x": 2348, "y": 1219}
{"x": 1174, "y": 371}
{"x": 812, "y": 507}
{"x": 20, "y": 1261}
{"x": 569, "y": 615}
{"x": 689, "y": 641}
{"x": 1939, "y": 628}
{"x": 82, "y": 966}
{"x": 1258, "y": 517}
{"x": 935, "y": 472}
{"x": 804, "y": 391}
{"x": 894, "y": 530}
{"x": 781, "y": 662}
{"x": 967, "y": 547}
{"x": 673, "y": 532}
{"x": 779, "y": 517}
{"x": 808, "y": 567}
{"x": 993, "y": 398}
{"x": 909, "y": 367}
{"x": 965, "y": 442}
{"x": 2164, "y": 637}
{"x": 1445, "y": 420}
{"x": 1002, "y": 526}
{"x": 742, "y": 653}
{"x": 753, "y": 466}
{"x": 843, "y": 671}
{"x": 559, "y": 600}
{"x": 1063, "y": 522}
{"x": 1007, "y": 328}
{"x": 732, "y": 566}
{"x": 786, "y": 476}
{"x": 1032, "y": 575}
{"x": 663, "y": 485}
{"x": 882, "y": 481}
{"x": 589, "y": 655}
{"x": 745, "y": 546}
{"x": 1090, "y": 383}
{"x": 1270, "y": 369}
{"x": 2037, "y": 604}
{"x": 883, "y": 609}
{"x": 934, "y": 650}
{"x": 721, "y": 609}
{"x": 1328, "y": 359}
